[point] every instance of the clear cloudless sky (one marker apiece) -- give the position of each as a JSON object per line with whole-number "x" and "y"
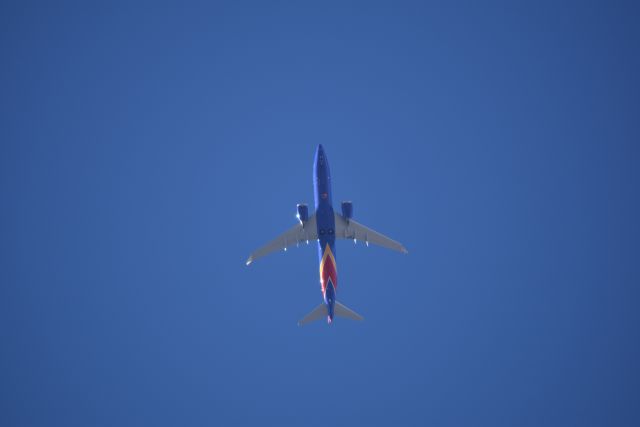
{"x": 146, "y": 148}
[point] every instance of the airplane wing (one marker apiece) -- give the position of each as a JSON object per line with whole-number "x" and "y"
{"x": 350, "y": 229}
{"x": 295, "y": 235}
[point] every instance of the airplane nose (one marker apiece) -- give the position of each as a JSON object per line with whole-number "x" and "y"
{"x": 320, "y": 156}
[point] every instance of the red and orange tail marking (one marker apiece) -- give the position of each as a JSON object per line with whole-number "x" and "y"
{"x": 328, "y": 269}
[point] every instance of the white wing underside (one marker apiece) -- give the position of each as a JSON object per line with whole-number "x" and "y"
{"x": 299, "y": 233}
{"x": 350, "y": 229}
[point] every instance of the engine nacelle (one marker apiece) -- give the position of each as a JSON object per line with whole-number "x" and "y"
{"x": 347, "y": 210}
{"x": 303, "y": 213}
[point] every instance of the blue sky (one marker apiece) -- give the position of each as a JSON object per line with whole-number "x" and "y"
{"x": 146, "y": 149}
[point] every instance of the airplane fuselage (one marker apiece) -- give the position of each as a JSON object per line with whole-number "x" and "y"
{"x": 325, "y": 226}
{"x": 326, "y": 230}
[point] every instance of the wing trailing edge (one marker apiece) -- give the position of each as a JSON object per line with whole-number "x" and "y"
{"x": 350, "y": 229}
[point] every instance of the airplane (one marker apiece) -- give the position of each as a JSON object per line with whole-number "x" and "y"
{"x": 325, "y": 226}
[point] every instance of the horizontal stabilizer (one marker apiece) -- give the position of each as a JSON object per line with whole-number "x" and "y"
{"x": 344, "y": 311}
{"x": 318, "y": 313}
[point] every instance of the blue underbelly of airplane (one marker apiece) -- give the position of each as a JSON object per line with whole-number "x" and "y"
{"x": 325, "y": 221}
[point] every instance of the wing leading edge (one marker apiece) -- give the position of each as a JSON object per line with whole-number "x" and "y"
{"x": 294, "y": 236}
{"x": 350, "y": 229}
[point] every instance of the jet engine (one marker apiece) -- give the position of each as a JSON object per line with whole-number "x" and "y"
{"x": 303, "y": 213}
{"x": 347, "y": 210}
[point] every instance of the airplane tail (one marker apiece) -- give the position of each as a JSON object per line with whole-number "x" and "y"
{"x": 321, "y": 311}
